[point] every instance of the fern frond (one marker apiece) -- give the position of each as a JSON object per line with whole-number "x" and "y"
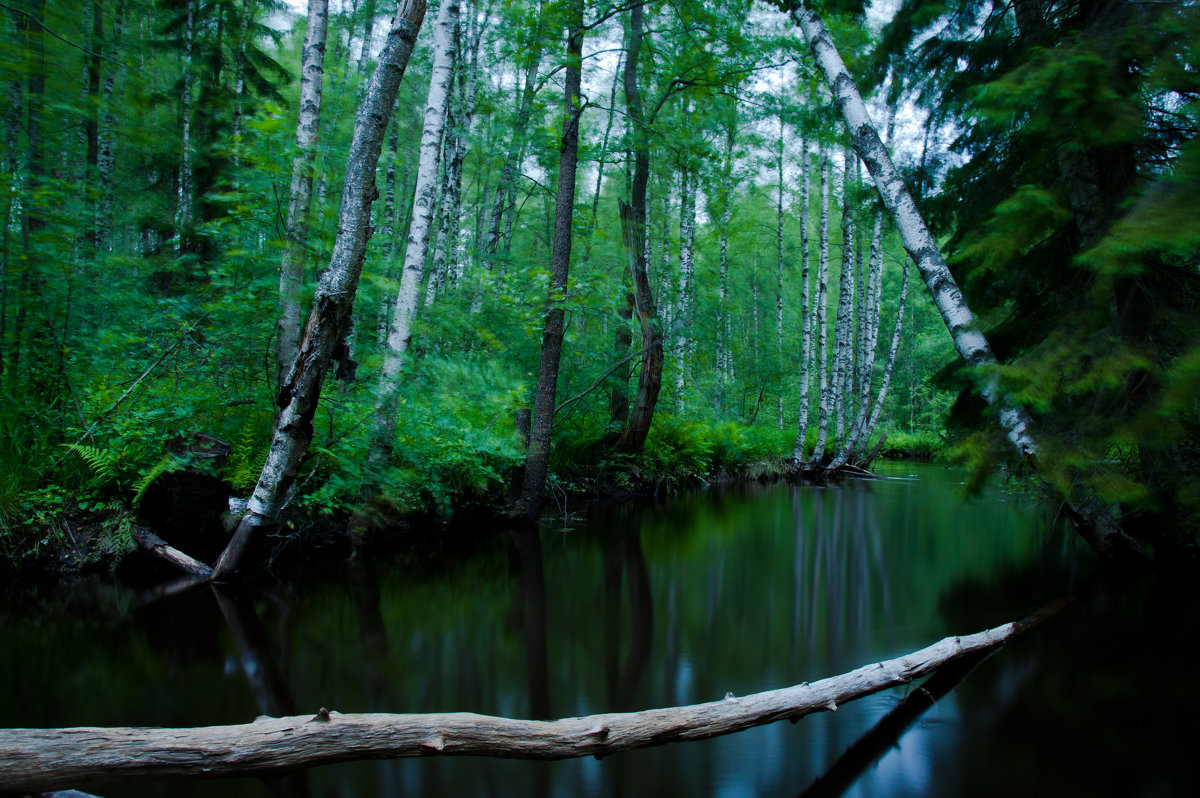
{"x": 167, "y": 464}
{"x": 102, "y": 462}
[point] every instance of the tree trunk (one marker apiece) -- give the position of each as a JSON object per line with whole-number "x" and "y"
{"x": 334, "y": 299}
{"x": 687, "y": 270}
{"x": 779, "y": 274}
{"x": 106, "y": 144}
{"x": 291, "y": 269}
{"x": 405, "y": 306}
{"x": 843, "y": 342}
{"x": 633, "y": 226}
{"x": 805, "y": 314}
{"x": 537, "y": 463}
{"x": 825, "y": 404}
{"x": 504, "y": 200}
{"x": 724, "y": 337}
{"x": 185, "y": 200}
{"x": 865, "y": 425}
{"x": 46, "y": 759}
{"x": 1095, "y": 520}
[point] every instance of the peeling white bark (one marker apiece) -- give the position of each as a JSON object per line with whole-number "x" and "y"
{"x": 825, "y": 403}
{"x": 405, "y": 306}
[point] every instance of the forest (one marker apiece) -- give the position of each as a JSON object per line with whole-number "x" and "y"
{"x": 568, "y": 247}
{"x": 493, "y": 371}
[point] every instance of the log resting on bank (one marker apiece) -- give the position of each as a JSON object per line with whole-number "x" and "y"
{"x": 48, "y": 759}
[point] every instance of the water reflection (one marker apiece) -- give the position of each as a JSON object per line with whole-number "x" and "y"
{"x": 737, "y": 591}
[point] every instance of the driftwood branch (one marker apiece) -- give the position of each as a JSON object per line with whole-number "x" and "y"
{"x": 48, "y": 759}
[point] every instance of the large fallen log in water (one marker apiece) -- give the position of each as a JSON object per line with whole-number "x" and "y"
{"x": 47, "y": 759}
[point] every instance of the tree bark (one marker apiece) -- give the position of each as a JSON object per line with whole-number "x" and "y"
{"x": 633, "y": 226}
{"x": 825, "y": 404}
{"x": 47, "y": 759}
{"x": 537, "y": 462}
{"x": 805, "y": 314}
{"x": 724, "y": 346}
{"x": 291, "y": 269}
{"x": 1095, "y": 520}
{"x": 843, "y": 342}
{"x": 334, "y": 299}
{"x": 687, "y": 275}
{"x": 405, "y": 306}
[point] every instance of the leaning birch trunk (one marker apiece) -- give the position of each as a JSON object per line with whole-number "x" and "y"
{"x": 405, "y": 306}
{"x": 1095, "y": 520}
{"x": 537, "y": 463}
{"x": 825, "y": 405}
{"x": 865, "y": 426}
{"x": 291, "y": 270}
{"x": 35, "y": 760}
{"x": 805, "y": 315}
{"x": 334, "y": 298}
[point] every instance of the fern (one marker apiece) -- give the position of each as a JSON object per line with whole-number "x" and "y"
{"x": 167, "y": 464}
{"x": 102, "y": 462}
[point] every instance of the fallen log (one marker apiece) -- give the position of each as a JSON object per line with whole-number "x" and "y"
{"x": 165, "y": 551}
{"x": 47, "y": 759}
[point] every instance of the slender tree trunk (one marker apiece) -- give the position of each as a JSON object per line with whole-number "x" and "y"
{"x": 334, "y": 299}
{"x": 184, "y": 208}
{"x": 1095, "y": 520}
{"x": 454, "y": 148}
{"x": 825, "y": 400}
{"x": 405, "y": 306}
{"x": 106, "y": 143}
{"x": 504, "y": 199}
{"x": 724, "y": 340}
{"x": 633, "y": 225}
{"x": 687, "y": 270}
{"x": 805, "y": 311}
{"x": 844, "y": 335}
{"x": 779, "y": 274}
{"x": 291, "y": 269}
{"x": 537, "y": 463}
{"x": 603, "y": 155}
{"x": 865, "y": 424}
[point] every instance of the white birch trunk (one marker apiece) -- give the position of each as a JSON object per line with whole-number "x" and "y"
{"x": 333, "y": 303}
{"x": 687, "y": 269}
{"x": 291, "y": 268}
{"x": 725, "y": 340}
{"x": 183, "y": 212}
{"x": 779, "y": 277}
{"x": 405, "y": 306}
{"x": 865, "y": 424}
{"x": 843, "y": 346}
{"x": 806, "y": 322}
{"x": 825, "y": 399}
{"x": 1097, "y": 524}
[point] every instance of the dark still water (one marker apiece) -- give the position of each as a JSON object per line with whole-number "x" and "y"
{"x": 732, "y": 590}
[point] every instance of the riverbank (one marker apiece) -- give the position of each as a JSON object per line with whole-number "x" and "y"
{"x": 56, "y": 532}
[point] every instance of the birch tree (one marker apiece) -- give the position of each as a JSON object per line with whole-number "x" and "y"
{"x": 334, "y": 299}
{"x": 1097, "y": 524}
{"x": 805, "y": 310}
{"x": 825, "y": 398}
{"x": 405, "y": 306}
{"x": 291, "y": 270}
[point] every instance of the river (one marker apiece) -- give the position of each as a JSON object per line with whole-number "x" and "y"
{"x": 735, "y": 589}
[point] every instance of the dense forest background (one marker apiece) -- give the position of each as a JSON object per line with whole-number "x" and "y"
{"x": 149, "y": 148}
